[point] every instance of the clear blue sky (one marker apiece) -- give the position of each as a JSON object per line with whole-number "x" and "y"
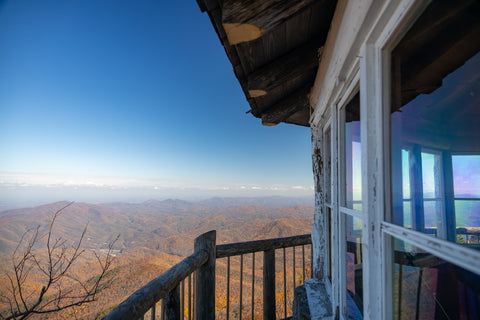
{"x": 131, "y": 95}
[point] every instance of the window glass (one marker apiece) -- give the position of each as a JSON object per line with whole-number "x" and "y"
{"x": 466, "y": 180}
{"x": 432, "y": 192}
{"x": 466, "y": 172}
{"x": 427, "y": 287}
{"x": 435, "y": 116}
{"x": 354, "y": 244}
{"x": 407, "y": 202}
{"x": 353, "y": 155}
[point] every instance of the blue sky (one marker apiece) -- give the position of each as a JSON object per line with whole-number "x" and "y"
{"x": 138, "y": 95}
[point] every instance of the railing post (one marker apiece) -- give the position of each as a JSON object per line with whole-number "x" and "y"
{"x": 205, "y": 302}
{"x": 171, "y": 303}
{"x": 269, "y": 285}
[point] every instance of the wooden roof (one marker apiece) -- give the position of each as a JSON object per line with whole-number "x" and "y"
{"x": 274, "y": 47}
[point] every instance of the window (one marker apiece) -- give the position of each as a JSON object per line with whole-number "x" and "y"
{"x": 434, "y": 116}
{"x": 435, "y": 164}
{"x": 351, "y": 209}
{"x": 327, "y": 158}
{"x": 427, "y": 287}
{"x": 352, "y": 155}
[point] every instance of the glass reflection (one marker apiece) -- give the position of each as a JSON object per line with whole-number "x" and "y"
{"x": 467, "y": 197}
{"x": 435, "y": 139}
{"x": 353, "y": 154}
{"x": 427, "y": 287}
{"x": 354, "y": 244}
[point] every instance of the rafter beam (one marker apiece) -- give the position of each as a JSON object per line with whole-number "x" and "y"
{"x": 283, "y": 109}
{"x": 248, "y": 20}
{"x": 300, "y": 63}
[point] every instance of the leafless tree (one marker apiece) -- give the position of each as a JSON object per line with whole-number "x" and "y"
{"x": 55, "y": 270}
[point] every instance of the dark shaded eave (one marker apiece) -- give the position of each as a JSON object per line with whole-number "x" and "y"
{"x": 274, "y": 48}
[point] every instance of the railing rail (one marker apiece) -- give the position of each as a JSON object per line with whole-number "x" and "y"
{"x": 202, "y": 264}
{"x": 236, "y": 249}
{"x": 135, "y": 306}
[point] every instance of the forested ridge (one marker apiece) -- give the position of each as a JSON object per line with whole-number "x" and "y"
{"x": 153, "y": 236}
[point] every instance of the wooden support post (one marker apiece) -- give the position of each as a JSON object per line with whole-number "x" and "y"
{"x": 294, "y": 280}
{"x": 182, "y": 299}
{"x": 205, "y": 302}
{"x": 319, "y": 228}
{"x": 152, "y": 312}
{"x": 253, "y": 285}
{"x": 228, "y": 288}
{"x": 190, "y": 298}
{"x": 269, "y": 311}
{"x": 284, "y": 284}
{"x": 172, "y": 304}
{"x": 241, "y": 288}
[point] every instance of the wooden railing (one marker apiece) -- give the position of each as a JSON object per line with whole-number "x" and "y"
{"x": 201, "y": 265}
{"x": 269, "y": 297}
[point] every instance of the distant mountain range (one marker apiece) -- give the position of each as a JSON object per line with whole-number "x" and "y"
{"x": 148, "y": 221}
{"x": 153, "y": 235}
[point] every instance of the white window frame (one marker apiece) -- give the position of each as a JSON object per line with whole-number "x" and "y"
{"x": 396, "y": 18}
{"x": 329, "y": 184}
{"x": 341, "y": 211}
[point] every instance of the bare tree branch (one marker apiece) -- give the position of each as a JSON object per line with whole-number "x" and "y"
{"x": 56, "y": 270}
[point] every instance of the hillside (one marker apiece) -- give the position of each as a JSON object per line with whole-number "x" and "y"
{"x": 153, "y": 235}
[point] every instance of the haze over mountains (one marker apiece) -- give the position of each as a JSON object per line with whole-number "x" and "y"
{"x": 153, "y": 235}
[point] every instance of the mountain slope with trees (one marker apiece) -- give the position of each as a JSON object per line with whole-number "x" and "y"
{"x": 152, "y": 236}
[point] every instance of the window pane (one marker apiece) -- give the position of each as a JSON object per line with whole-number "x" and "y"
{"x": 431, "y": 167}
{"x": 467, "y": 222}
{"x": 353, "y": 155}
{"x": 354, "y": 267}
{"x": 406, "y": 176}
{"x": 407, "y": 214}
{"x": 432, "y": 172}
{"x": 427, "y": 287}
{"x": 466, "y": 173}
{"x": 432, "y": 215}
{"x": 466, "y": 180}
{"x": 435, "y": 116}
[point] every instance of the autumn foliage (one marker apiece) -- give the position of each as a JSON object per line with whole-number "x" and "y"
{"x": 154, "y": 236}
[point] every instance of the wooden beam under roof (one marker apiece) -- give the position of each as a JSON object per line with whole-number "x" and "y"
{"x": 286, "y": 107}
{"x": 301, "y": 62}
{"x": 300, "y": 118}
{"x": 273, "y": 61}
{"x": 207, "y": 5}
{"x": 248, "y": 20}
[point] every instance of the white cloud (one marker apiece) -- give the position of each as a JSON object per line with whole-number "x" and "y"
{"x": 45, "y": 188}
{"x": 47, "y": 180}
{"x": 309, "y": 188}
